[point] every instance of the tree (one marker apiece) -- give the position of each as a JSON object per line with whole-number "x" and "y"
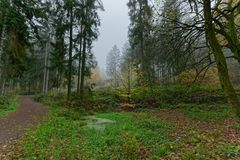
{"x": 14, "y": 41}
{"x": 139, "y": 31}
{"x": 127, "y": 68}
{"x": 69, "y": 6}
{"x": 219, "y": 57}
{"x": 90, "y": 24}
{"x": 113, "y": 62}
{"x": 58, "y": 55}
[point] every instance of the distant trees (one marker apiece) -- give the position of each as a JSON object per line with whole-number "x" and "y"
{"x": 56, "y": 35}
{"x": 127, "y": 68}
{"x": 113, "y": 64}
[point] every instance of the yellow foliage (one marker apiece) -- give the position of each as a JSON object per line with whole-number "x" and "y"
{"x": 189, "y": 76}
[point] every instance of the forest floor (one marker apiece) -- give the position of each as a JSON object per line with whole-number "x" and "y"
{"x": 15, "y": 124}
{"x": 193, "y": 125}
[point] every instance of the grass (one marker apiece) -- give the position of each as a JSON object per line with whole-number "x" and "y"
{"x": 8, "y": 106}
{"x": 132, "y": 136}
{"x": 55, "y": 139}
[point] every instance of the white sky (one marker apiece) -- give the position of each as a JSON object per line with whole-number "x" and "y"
{"x": 113, "y": 30}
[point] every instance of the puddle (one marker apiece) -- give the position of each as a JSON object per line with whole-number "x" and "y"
{"x": 97, "y": 123}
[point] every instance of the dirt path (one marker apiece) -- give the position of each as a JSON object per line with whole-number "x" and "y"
{"x": 14, "y": 125}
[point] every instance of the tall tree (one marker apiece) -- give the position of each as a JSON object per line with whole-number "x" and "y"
{"x": 219, "y": 57}
{"x": 90, "y": 24}
{"x": 139, "y": 31}
{"x": 113, "y": 64}
{"x": 69, "y": 5}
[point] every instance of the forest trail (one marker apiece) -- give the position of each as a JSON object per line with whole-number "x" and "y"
{"x": 14, "y": 125}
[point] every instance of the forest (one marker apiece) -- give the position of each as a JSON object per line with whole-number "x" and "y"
{"x": 171, "y": 92}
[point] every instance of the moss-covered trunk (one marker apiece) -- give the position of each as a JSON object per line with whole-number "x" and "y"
{"x": 220, "y": 59}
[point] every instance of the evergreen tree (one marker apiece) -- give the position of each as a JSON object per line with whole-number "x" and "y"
{"x": 140, "y": 14}
{"x": 113, "y": 64}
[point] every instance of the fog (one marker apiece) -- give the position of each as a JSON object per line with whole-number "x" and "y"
{"x": 113, "y": 30}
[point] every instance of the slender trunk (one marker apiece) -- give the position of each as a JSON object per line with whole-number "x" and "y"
{"x": 29, "y": 87}
{"x": 3, "y": 87}
{"x": 1, "y": 45}
{"x": 220, "y": 59}
{"x": 84, "y": 55}
{"x": 57, "y": 79}
{"x": 70, "y": 56}
{"x": 2, "y": 41}
{"x": 138, "y": 74}
{"x": 143, "y": 67}
{"x": 129, "y": 80}
{"x": 83, "y": 65}
{"x": 61, "y": 67}
{"x": 45, "y": 68}
{"x": 79, "y": 62}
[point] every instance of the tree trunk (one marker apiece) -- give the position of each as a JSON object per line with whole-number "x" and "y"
{"x": 70, "y": 56}
{"x": 234, "y": 36}
{"x": 129, "y": 80}
{"x": 79, "y": 62}
{"x": 83, "y": 65}
{"x": 220, "y": 59}
{"x": 46, "y": 70}
{"x": 3, "y": 87}
{"x": 1, "y": 46}
{"x": 84, "y": 54}
{"x": 47, "y": 74}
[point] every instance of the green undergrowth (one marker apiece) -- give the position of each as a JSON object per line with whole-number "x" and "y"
{"x": 8, "y": 104}
{"x": 131, "y": 136}
{"x": 196, "y": 102}
{"x": 104, "y": 100}
{"x": 139, "y": 134}
{"x": 172, "y": 95}
{"x": 205, "y": 112}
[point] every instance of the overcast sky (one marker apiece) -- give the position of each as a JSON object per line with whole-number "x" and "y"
{"x": 113, "y": 30}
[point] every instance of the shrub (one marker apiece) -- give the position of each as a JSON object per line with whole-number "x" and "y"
{"x": 172, "y": 95}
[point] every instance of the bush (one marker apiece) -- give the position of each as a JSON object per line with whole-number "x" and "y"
{"x": 189, "y": 76}
{"x": 8, "y": 104}
{"x": 4, "y": 102}
{"x": 173, "y": 95}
